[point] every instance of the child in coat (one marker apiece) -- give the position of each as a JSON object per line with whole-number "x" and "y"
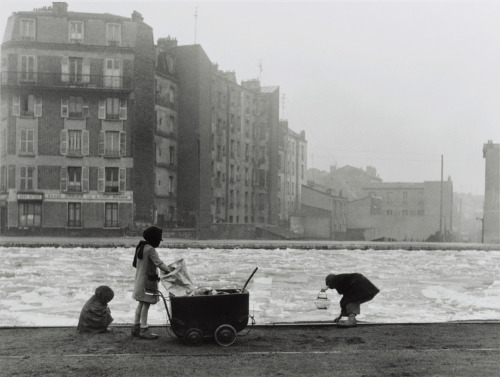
{"x": 146, "y": 262}
{"x": 95, "y": 316}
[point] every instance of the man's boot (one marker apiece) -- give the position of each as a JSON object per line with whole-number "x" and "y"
{"x": 350, "y": 322}
{"x": 136, "y": 330}
{"x": 146, "y": 334}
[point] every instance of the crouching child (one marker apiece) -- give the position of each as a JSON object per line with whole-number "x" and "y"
{"x": 95, "y": 316}
{"x": 355, "y": 290}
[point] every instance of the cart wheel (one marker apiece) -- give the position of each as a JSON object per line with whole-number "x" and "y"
{"x": 225, "y": 335}
{"x": 193, "y": 337}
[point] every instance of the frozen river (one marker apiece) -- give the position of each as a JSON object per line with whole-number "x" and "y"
{"x": 48, "y": 286}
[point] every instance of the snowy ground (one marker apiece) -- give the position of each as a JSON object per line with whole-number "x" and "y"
{"x": 48, "y": 286}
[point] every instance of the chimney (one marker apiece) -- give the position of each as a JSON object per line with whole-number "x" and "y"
{"x": 165, "y": 44}
{"x": 60, "y": 9}
{"x": 137, "y": 17}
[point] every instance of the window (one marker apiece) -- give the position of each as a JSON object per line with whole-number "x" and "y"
{"x": 112, "y": 78}
{"x": 172, "y": 123}
{"x": 27, "y": 143}
{"x": 171, "y": 184}
{"x": 27, "y": 30}
{"x": 30, "y": 215}
{"x": 389, "y": 212}
{"x": 390, "y": 197}
{"x": 405, "y": 196}
{"x": 171, "y": 94}
{"x": 28, "y": 68}
{"x": 27, "y": 105}
{"x": 26, "y": 178}
{"x": 75, "y": 32}
{"x": 112, "y": 143}
{"x": 113, "y": 109}
{"x": 74, "y": 107}
{"x": 113, "y": 34}
{"x": 112, "y": 180}
{"x": 76, "y": 70}
{"x": 74, "y": 179}
{"x": 405, "y": 212}
{"x": 74, "y": 215}
{"x": 74, "y": 142}
{"x": 172, "y": 155}
{"x": 111, "y": 214}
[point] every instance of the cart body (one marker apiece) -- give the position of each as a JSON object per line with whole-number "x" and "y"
{"x": 219, "y": 315}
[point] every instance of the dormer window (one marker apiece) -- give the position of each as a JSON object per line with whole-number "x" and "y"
{"x": 27, "y": 30}
{"x": 113, "y": 34}
{"x": 75, "y": 32}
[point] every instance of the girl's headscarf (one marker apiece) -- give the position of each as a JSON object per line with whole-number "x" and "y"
{"x": 152, "y": 236}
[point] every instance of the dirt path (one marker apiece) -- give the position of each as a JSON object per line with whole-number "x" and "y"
{"x": 451, "y": 349}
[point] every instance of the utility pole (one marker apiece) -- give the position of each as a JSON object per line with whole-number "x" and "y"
{"x": 482, "y": 227}
{"x": 441, "y": 204}
{"x": 260, "y": 72}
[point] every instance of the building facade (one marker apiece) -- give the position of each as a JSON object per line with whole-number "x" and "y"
{"x": 166, "y": 134}
{"x": 491, "y": 214}
{"x": 292, "y": 172}
{"x": 403, "y": 212}
{"x": 322, "y": 215}
{"x": 228, "y": 145}
{"x": 77, "y": 122}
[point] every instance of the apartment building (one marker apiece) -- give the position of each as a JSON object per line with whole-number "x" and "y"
{"x": 403, "y": 211}
{"x": 77, "y": 122}
{"x": 166, "y": 133}
{"x": 228, "y": 145}
{"x": 491, "y": 214}
{"x": 292, "y": 171}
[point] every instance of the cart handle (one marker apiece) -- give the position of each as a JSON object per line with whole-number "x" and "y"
{"x": 253, "y": 273}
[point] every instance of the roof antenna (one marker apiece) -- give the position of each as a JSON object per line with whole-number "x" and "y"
{"x": 195, "y": 22}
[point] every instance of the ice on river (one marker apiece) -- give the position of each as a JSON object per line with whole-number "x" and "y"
{"x": 49, "y": 286}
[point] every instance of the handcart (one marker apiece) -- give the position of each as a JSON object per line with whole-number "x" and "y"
{"x": 220, "y": 315}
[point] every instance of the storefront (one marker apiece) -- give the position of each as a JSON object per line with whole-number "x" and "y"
{"x": 30, "y": 211}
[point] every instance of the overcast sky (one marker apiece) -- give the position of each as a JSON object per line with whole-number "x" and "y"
{"x": 392, "y": 84}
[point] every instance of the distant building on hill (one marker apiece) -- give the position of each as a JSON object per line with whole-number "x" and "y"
{"x": 347, "y": 180}
{"x": 402, "y": 212}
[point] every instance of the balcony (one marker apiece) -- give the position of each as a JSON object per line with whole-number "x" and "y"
{"x": 59, "y": 80}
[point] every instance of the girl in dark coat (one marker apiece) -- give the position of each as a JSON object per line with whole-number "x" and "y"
{"x": 95, "y": 316}
{"x": 355, "y": 290}
{"x": 146, "y": 262}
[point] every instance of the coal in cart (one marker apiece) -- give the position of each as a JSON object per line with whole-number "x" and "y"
{"x": 220, "y": 314}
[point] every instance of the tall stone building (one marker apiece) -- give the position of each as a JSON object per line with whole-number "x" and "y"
{"x": 491, "y": 216}
{"x": 77, "y": 122}
{"x": 292, "y": 171}
{"x": 166, "y": 135}
{"x": 102, "y": 131}
{"x": 228, "y": 145}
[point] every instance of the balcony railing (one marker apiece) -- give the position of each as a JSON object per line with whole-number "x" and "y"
{"x": 65, "y": 80}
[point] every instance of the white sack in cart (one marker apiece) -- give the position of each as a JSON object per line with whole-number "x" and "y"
{"x": 177, "y": 282}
